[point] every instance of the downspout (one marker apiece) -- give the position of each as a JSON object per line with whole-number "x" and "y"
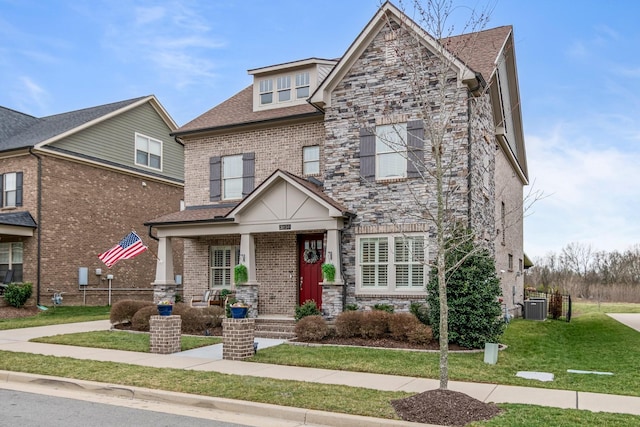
{"x": 151, "y": 235}
{"x": 469, "y": 164}
{"x": 39, "y": 221}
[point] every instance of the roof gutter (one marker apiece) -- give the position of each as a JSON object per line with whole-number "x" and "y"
{"x": 239, "y": 125}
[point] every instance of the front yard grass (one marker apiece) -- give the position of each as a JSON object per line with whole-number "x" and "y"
{"x": 58, "y": 315}
{"x": 122, "y": 340}
{"x": 590, "y": 342}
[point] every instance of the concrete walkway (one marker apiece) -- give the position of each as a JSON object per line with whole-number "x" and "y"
{"x": 207, "y": 359}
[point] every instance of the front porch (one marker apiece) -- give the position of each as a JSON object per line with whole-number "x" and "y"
{"x": 268, "y": 232}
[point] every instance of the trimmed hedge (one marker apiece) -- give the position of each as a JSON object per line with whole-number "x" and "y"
{"x": 123, "y": 311}
{"x": 312, "y": 328}
{"x": 17, "y": 294}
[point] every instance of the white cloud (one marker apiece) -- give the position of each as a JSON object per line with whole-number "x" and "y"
{"x": 592, "y": 193}
{"x": 30, "y": 97}
{"x": 175, "y": 39}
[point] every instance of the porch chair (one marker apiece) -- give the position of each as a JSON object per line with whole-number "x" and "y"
{"x": 204, "y": 300}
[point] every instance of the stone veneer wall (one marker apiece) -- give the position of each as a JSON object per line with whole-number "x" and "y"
{"x": 375, "y": 91}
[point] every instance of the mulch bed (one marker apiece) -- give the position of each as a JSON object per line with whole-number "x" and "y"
{"x": 444, "y": 407}
{"x": 9, "y": 312}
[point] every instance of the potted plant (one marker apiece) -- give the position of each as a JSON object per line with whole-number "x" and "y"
{"x": 240, "y": 274}
{"x": 239, "y": 310}
{"x": 328, "y": 272}
{"x": 165, "y": 307}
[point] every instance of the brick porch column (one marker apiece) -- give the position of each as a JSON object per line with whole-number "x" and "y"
{"x": 237, "y": 338}
{"x": 164, "y": 332}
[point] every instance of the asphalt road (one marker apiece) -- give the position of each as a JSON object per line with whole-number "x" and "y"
{"x": 19, "y": 408}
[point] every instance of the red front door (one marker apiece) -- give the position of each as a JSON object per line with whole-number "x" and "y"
{"x": 311, "y": 257}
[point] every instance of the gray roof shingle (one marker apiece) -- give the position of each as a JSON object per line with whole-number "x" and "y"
{"x": 20, "y": 219}
{"x": 23, "y": 131}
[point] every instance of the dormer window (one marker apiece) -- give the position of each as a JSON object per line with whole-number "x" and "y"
{"x": 284, "y": 88}
{"x": 266, "y": 91}
{"x": 302, "y": 85}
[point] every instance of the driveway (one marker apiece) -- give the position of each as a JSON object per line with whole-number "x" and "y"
{"x": 632, "y": 320}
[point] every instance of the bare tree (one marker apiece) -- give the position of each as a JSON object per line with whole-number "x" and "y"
{"x": 433, "y": 87}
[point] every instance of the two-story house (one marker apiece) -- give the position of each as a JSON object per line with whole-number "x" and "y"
{"x": 72, "y": 185}
{"x": 297, "y": 170}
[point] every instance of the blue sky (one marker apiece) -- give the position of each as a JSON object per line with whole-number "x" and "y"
{"x": 578, "y": 65}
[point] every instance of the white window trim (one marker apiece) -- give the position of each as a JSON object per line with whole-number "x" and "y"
{"x": 306, "y": 161}
{"x": 391, "y": 272}
{"x": 303, "y": 84}
{"x": 267, "y": 85}
{"x": 6, "y": 190}
{"x": 233, "y": 260}
{"x": 399, "y": 150}
{"x": 223, "y": 177}
{"x": 149, "y": 139}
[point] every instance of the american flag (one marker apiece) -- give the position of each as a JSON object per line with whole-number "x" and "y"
{"x": 128, "y": 247}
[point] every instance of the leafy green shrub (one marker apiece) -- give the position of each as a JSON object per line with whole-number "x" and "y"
{"x": 384, "y": 307}
{"x": 240, "y": 273}
{"x": 308, "y": 308}
{"x": 400, "y": 324}
{"x": 421, "y": 334}
{"x": 17, "y": 294}
{"x": 312, "y": 328}
{"x": 421, "y": 311}
{"x": 351, "y": 307}
{"x": 475, "y": 315}
{"x": 328, "y": 272}
{"x": 374, "y": 324}
{"x": 348, "y": 324}
{"x": 123, "y": 311}
{"x": 140, "y": 320}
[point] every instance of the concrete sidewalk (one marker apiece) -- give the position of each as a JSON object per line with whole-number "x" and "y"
{"x": 17, "y": 340}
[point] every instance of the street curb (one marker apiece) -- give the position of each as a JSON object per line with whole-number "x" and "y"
{"x": 302, "y": 416}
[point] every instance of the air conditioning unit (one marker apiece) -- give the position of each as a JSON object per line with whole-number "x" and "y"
{"x": 535, "y": 309}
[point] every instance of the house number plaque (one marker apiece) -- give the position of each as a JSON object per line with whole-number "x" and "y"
{"x": 285, "y": 226}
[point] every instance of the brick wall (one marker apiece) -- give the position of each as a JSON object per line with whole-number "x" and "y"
{"x": 164, "y": 334}
{"x": 237, "y": 338}
{"x": 86, "y": 210}
{"x": 275, "y": 148}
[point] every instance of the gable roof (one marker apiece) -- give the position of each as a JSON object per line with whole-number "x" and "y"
{"x": 216, "y": 213}
{"x": 30, "y": 132}
{"x": 238, "y": 110}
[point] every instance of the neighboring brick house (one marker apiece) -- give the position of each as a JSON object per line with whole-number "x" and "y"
{"x": 73, "y": 185}
{"x": 291, "y": 172}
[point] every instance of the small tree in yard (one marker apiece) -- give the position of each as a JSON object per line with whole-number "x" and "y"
{"x": 472, "y": 294}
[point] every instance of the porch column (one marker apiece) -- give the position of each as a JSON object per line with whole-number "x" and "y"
{"x": 332, "y": 254}
{"x": 164, "y": 287}
{"x": 247, "y": 255}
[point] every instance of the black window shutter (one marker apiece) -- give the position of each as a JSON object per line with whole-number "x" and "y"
{"x": 415, "y": 148}
{"x": 19, "y": 189}
{"x": 248, "y": 173}
{"x": 1, "y": 191}
{"x": 215, "y": 170}
{"x": 367, "y": 154}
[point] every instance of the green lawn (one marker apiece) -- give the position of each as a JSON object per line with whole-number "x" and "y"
{"x": 58, "y": 315}
{"x": 590, "y": 342}
{"x": 122, "y": 340}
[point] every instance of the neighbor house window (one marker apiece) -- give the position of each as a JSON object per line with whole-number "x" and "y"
{"x": 222, "y": 259}
{"x": 302, "y": 85}
{"x": 510, "y": 262}
{"x": 266, "y": 91}
{"x": 11, "y": 189}
{"x": 311, "y": 160}
{"x": 232, "y": 177}
{"x": 391, "y": 151}
{"x": 284, "y": 88}
{"x": 11, "y": 261}
{"x": 148, "y": 152}
{"x": 394, "y": 263}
